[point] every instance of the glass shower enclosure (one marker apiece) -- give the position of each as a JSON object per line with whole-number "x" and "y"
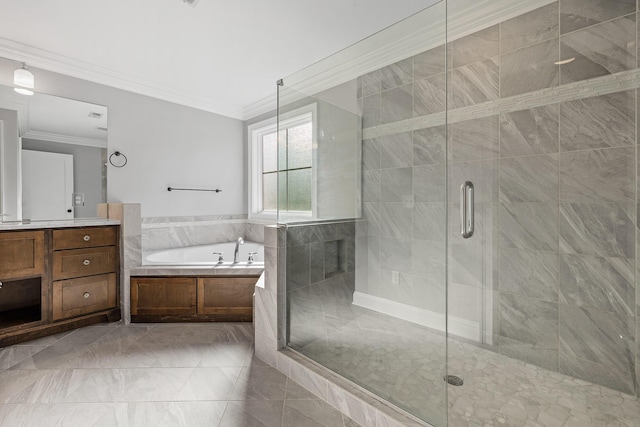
{"x": 460, "y": 212}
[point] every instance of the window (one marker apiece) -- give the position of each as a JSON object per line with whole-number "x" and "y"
{"x": 287, "y": 164}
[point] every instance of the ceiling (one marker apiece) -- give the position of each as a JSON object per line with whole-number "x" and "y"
{"x": 220, "y": 56}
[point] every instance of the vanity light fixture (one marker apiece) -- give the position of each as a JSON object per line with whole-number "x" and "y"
{"x": 24, "y": 78}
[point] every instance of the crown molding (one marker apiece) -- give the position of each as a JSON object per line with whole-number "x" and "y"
{"x": 409, "y": 37}
{"x": 64, "y": 139}
{"x": 50, "y": 61}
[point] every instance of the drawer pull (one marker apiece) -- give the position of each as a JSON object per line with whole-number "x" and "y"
{"x": 86, "y": 238}
{"x": 86, "y": 262}
{"x": 86, "y": 295}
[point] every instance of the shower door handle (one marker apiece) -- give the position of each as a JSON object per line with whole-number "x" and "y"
{"x": 466, "y": 209}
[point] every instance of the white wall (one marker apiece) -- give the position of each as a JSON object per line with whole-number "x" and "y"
{"x": 166, "y": 145}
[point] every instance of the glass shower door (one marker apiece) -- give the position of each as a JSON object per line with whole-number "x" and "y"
{"x": 367, "y": 269}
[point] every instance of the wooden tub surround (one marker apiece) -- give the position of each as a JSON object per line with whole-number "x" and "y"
{"x": 54, "y": 280}
{"x": 192, "y": 299}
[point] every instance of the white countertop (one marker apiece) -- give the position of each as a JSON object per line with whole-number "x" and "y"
{"x": 84, "y": 222}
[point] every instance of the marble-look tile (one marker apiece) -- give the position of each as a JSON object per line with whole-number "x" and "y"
{"x": 369, "y": 84}
{"x": 190, "y": 414}
{"x": 371, "y": 111}
{"x": 607, "y": 175}
{"x": 371, "y": 214}
{"x": 346, "y": 229}
{"x": 64, "y": 414}
{"x": 310, "y": 380}
{"x": 395, "y": 254}
{"x": 219, "y": 355}
{"x": 466, "y": 263}
{"x": 396, "y": 185}
{"x": 132, "y": 246}
{"x": 599, "y": 337}
{"x": 474, "y": 83}
{"x": 533, "y": 131}
{"x": 598, "y": 122}
{"x": 529, "y": 226}
{"x": 371, "y": 154}
{"x": 316, "y": 262}
{"x": 484, "y": 176}
{"x": 529, "y": 273}
{"x": 396, "y": 151}
{"x": 602, "y": 229}
{"x": 310, "y": 413}
{"x": 235, "y": 332}
{"x": 476, "y": 47}
{"x": 576, "y": 14}
{"x": 253, "y": 413}
{"x": 371, "y": 186}
{"x": 602, "y": 49}
{"x": 396, "y": 104}
{"x": 429, "y": 183}
{"x": 13, "y": 355}
{"x": 210, "y": 384}
{"x": 474, "y": 139}
{"x": 396, "y": 220}
{"x": 544, "y": 357}
{"x": 529, "y": 179}
{"x": 465, "y": 302}
{"x": 429, "y": 145}
{"x": 531, "y": 321}
{"x": 603, "y": 283}
{"x": 529, "y": 69}
{"x": 298, "y": 235}
{"x": 529, "y": 28}
{"x": 295, "y": 391}
{"x": 429, "y": 95}
{"x": 428, "y": 275}
{"x": 429, "y": 63}
{"x": 397, "y": 74}
{"x": 322, "y": 232}
{"x": 429, "y": 221}
{"x": 597, "y": 373}
{"x": 261, "y": 383}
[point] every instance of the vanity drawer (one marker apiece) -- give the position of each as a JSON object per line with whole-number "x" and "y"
{"x": 21, "y": 254}
{"x": 84, "y": 295}
{"x": 83, "y": 262}
{"x": 89, "y": 237}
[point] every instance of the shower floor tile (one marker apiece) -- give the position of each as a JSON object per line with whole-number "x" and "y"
{"x": 404, "y": 363}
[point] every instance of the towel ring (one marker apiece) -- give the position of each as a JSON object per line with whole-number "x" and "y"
{"x": 117, "y": 154}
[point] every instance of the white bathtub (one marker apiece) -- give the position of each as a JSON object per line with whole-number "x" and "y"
{"x": 203, "y": 255}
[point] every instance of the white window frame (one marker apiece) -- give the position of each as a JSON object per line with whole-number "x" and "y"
{"x": 254, "y": 170}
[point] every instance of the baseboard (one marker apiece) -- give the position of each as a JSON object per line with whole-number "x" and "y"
{"x": 456, "y": 326}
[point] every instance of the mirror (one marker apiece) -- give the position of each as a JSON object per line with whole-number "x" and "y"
{"x": 53, "y": 154}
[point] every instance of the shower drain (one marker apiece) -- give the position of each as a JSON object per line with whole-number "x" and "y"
{"x": 453, "y": 380}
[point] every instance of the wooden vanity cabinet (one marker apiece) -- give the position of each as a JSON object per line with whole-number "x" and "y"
{"x": 55, "y": 280}
{"x": 192, "y": 299}
{"x": 23, "y": 275}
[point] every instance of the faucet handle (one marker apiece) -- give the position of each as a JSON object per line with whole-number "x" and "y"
{"x": 251, "y": 254}
{"x": 220, "y": 258}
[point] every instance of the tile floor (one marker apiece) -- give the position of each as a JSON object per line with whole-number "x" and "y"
{"x": 152, "y": 375}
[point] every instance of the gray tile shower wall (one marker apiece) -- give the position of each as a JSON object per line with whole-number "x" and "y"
{"x": 320, "y": 259}
{"x": 553, "y": 259}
